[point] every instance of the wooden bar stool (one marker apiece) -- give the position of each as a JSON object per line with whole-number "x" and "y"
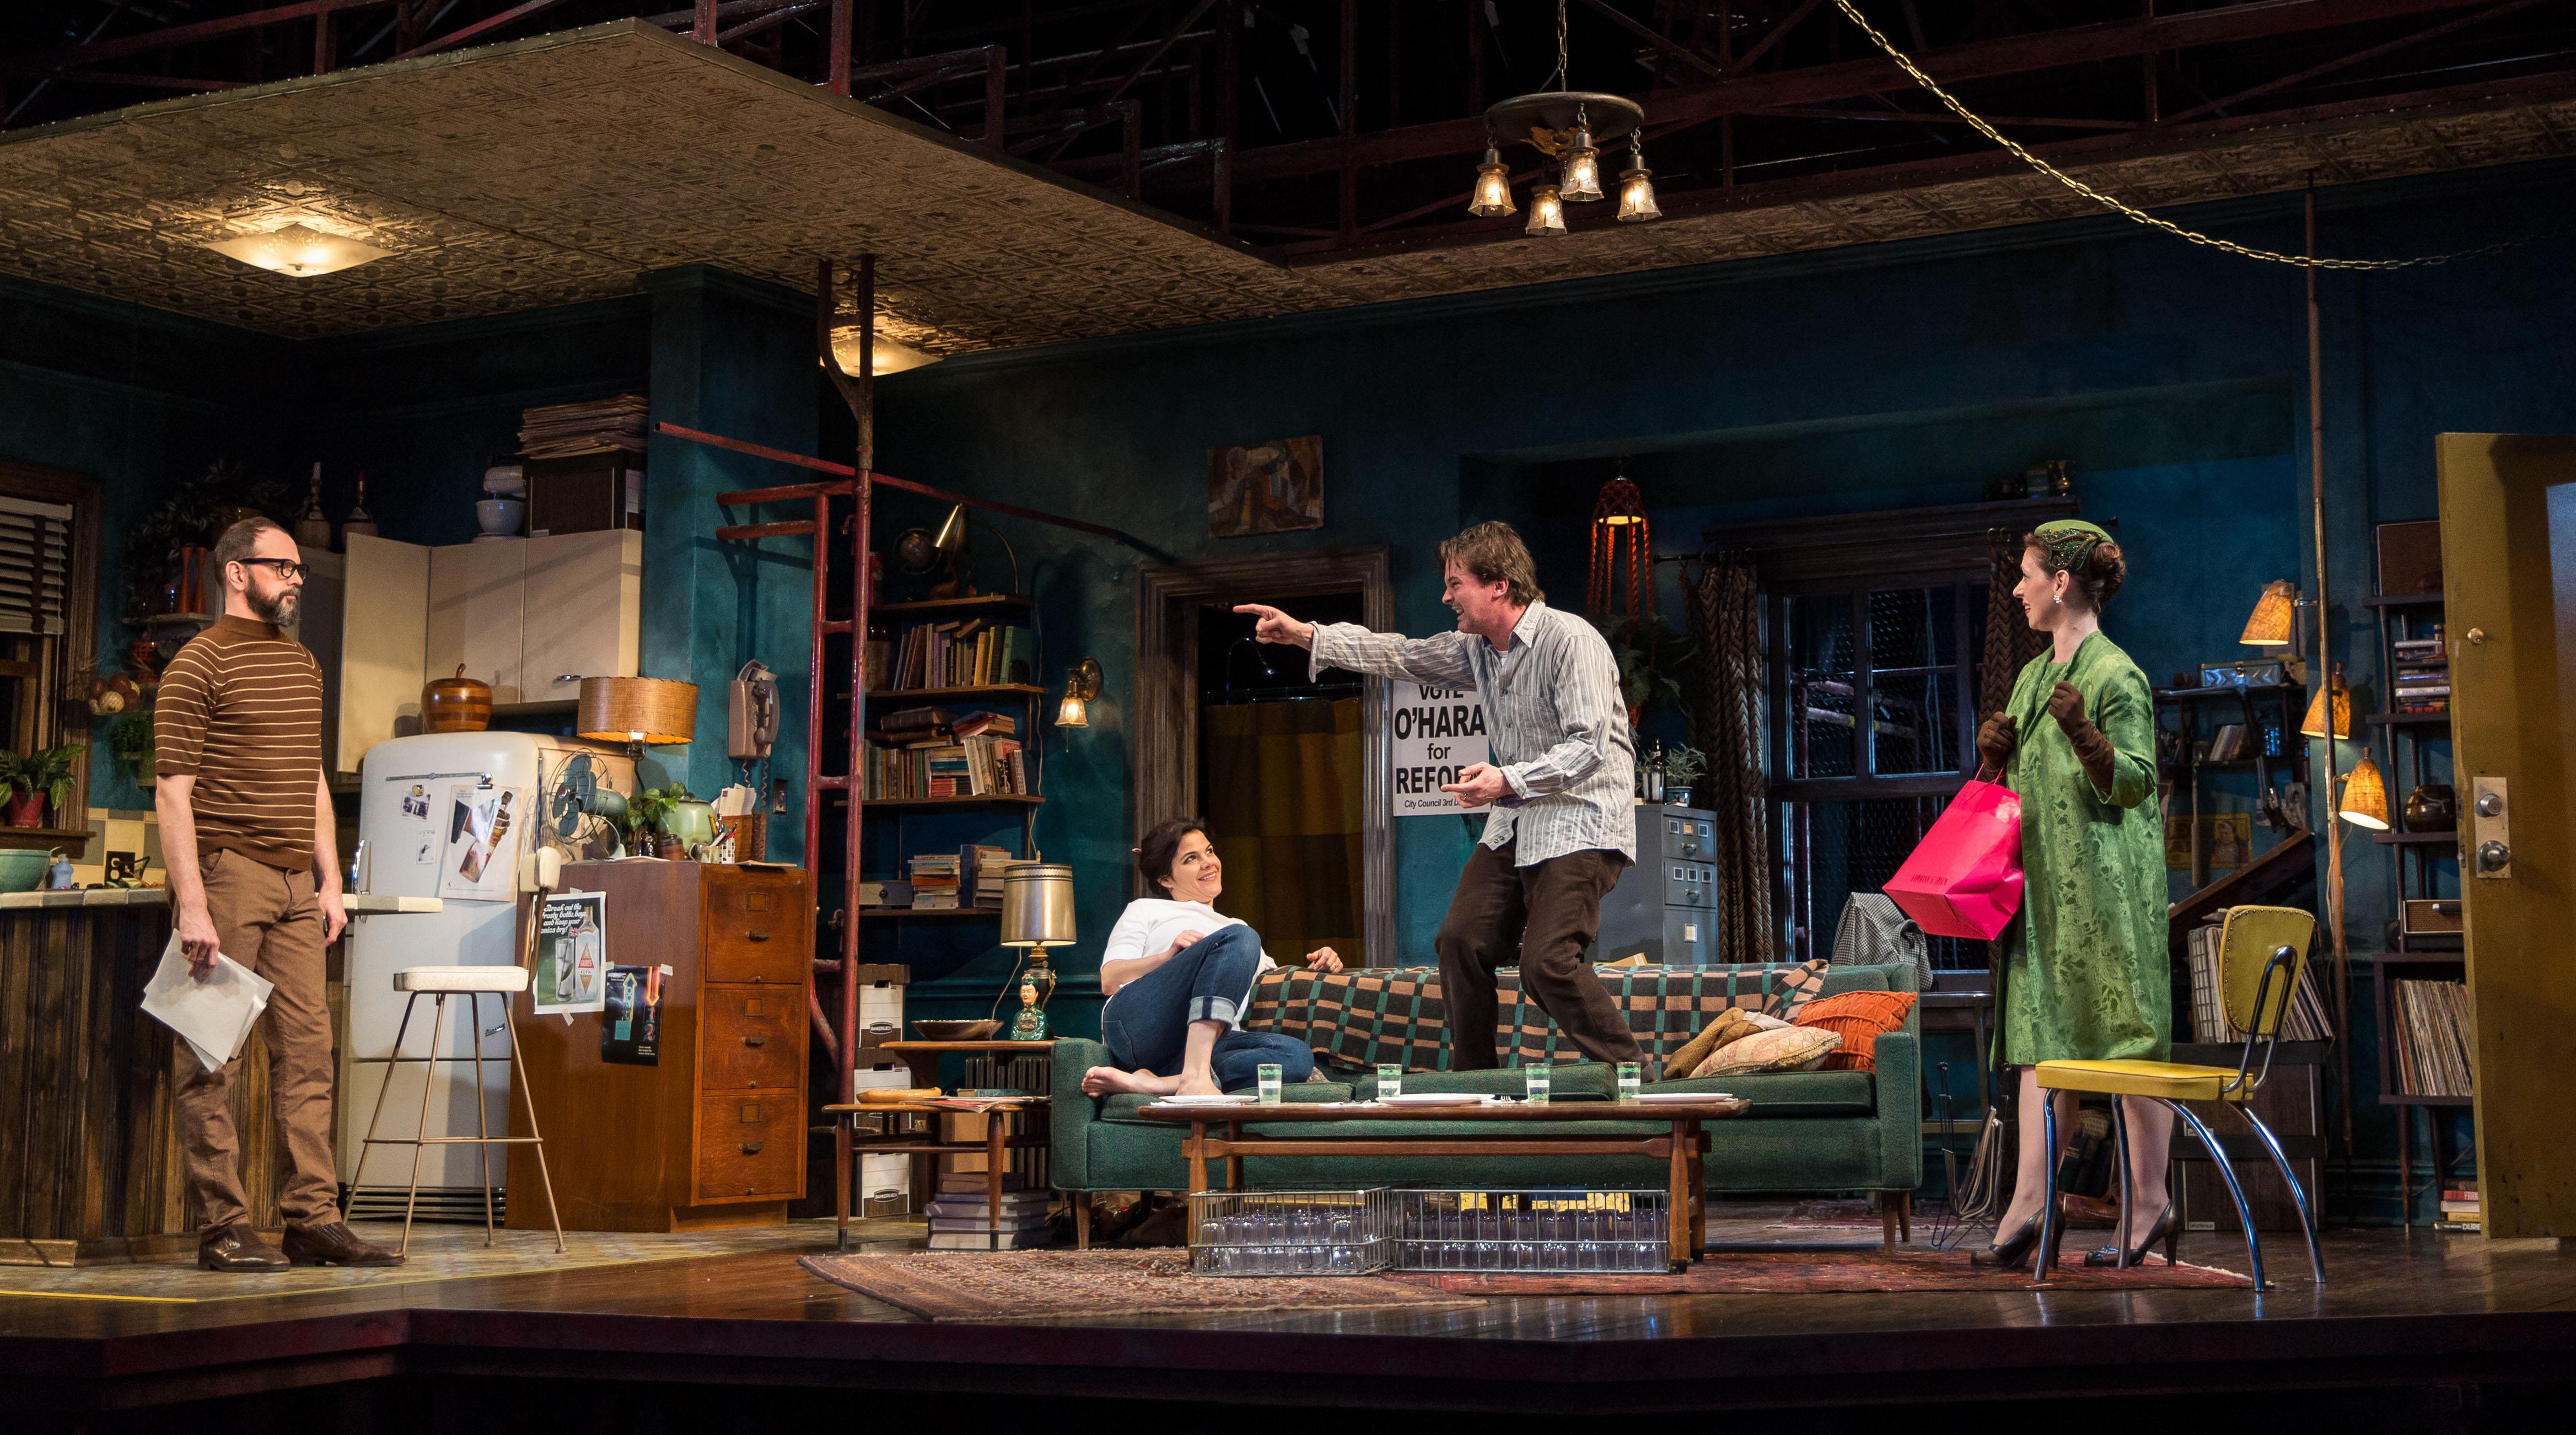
{"x": 473, "y": 983}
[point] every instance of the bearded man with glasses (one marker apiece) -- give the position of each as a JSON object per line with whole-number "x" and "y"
{"x": 246, "y": 829}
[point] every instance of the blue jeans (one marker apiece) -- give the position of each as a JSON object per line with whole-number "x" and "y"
{"x": 1146, "y": 1026}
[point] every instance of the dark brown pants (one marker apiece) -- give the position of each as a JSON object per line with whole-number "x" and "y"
{"x": 1544, "y": 917}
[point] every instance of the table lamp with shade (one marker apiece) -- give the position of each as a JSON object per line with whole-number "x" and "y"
{"x": 1037, "y": 913}
{"x": 640, "y": 712}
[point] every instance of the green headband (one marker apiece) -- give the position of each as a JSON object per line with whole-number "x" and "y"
{"x": 2067, "y": 541}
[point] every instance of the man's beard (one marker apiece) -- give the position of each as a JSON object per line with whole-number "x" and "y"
{"x": 278, "y": 608}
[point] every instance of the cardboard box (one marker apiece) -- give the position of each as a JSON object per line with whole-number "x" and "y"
{"x": 877, "y": 1078}
{"x": 963, "y": 1126}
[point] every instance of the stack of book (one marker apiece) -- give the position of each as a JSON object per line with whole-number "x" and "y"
{"x": 969, "y": 653}
{"x": 983, "y": 874}
{"x": 2428, "y": 1025}
{"x": 2305, "y": 1021}
{"x": 934, "y": 881}
{"x": 2460, "y": 1213}
{"x": 2421, "y": 681}
{"x": 961, "y": 1219}
{"x": 597, "y": 426}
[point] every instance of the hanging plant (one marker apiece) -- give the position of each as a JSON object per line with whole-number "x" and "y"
{"x": 129, "y": 741}
{"x": 193, "y": 515}
{"x": 1653, "y": 659}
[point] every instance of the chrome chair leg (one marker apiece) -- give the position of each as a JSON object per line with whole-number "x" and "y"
{"x": 2298, "y": 1195}
{"x": 482, "y": 1112}
{"x": 393, "y": 1064}
{"x": 2235, "y": 1189}
{"x": 2046, "y": 1255}
{"x": 420, "y": 1136}
{"x": 2120, "y": 1153}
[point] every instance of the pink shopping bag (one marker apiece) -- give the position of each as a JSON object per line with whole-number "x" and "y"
{"x": 1964, "y": 878}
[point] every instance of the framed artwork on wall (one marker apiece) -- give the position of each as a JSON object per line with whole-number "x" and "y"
{"x": 1276, "y": 486}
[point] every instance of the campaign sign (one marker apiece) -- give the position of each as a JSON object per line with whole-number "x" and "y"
{"x": 1437, "y": 733}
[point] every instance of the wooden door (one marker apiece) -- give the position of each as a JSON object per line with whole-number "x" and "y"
{"x": 2509, "y": 587}
{"x": 585, "y": 599}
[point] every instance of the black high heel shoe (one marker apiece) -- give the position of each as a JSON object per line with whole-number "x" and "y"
{"x": 2166, "y": 1230}
{"x": 2012, "y": 1254}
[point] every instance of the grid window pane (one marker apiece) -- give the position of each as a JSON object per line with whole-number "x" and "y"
{"x": 1823, "y": 707}
{"x": 1914, "y": 627}
{"x": 1918, "y": 724}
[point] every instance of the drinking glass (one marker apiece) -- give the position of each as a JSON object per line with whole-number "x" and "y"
{"x": 1268, "y": 1073}
{"x": 1632, "y": 1080}
{"x": 1534, "y": 1084}
{"x": 1390, "y": 1079}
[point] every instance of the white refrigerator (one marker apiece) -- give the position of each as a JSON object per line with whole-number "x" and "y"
{"x": 447, "y": 815}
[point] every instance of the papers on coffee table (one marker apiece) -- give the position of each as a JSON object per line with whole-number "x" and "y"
{"x": 1234, "y": 1099}
{"x": 1437, "y": 1098}
{"x": 1682, "y": 1097}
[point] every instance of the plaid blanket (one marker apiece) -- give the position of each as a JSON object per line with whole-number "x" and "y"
{"x": 1362, "y": 1017}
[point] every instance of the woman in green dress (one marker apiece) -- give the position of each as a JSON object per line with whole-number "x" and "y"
{"x": 2085, "y": 976}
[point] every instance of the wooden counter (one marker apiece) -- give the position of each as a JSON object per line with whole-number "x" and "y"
{"x": 714, "y": 1134}
{"x": 89, "y": 1155}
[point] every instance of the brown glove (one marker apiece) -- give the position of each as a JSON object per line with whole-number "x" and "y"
{"x": 1996, "y": 739}
{"x": 2092, "y": 749}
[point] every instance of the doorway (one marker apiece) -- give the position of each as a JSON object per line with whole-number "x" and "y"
{"x": 1289, "y": 773}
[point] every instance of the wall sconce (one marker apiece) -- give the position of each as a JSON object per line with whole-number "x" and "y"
{"x": 298, "y": 250}
{"x": 1081, "y": 685}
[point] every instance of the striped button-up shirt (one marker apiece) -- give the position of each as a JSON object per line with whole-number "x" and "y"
{"x": 1559, "y": 724}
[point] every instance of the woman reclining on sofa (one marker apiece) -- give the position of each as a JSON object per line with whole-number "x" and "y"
{"x": 1178, "y": 977}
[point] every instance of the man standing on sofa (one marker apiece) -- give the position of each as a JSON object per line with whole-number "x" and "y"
{"x": 246, "y": 830}
{"x": 1562, "y": 788}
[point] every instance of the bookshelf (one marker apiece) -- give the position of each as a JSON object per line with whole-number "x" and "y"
{"x": 2414, "y": 749}
{"x": 888, "y": 623}
{"x": 2256, "y": 708}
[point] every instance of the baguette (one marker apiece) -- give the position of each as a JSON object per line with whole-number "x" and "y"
{"x": 897, "y": 1095}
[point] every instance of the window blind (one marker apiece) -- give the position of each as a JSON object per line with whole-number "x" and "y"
{"x": 35, "y": 565}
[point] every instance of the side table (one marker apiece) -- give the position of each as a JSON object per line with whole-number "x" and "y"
{"x": 1000, "y": 1139}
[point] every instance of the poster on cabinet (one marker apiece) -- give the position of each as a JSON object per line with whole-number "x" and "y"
{"x": 572, "y": 955}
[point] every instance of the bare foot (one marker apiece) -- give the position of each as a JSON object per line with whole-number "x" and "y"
{"x": 1203, "y": 1084}
{"x": 1102, "y": 1080}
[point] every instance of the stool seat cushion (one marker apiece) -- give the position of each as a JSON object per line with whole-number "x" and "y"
{"x": 461, "y": 979}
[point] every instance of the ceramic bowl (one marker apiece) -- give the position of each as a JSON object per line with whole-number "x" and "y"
{"x": 506, "y": 480}
{"x": 956, "y": 1030}
{"x": 23, "y": 869}
{"x": 500, "y": 516}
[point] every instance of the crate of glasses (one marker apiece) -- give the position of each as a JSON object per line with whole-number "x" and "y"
{"x": 1291, "y": 1233}
{"x": 1533, "y": 1230}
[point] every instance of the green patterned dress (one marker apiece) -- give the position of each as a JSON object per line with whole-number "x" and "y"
{"x": 2085, "y": 971}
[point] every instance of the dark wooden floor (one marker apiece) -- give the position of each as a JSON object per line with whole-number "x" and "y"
{"x": 2408, "y": 1324}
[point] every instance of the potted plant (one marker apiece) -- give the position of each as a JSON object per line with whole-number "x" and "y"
{"x": 1682, "y": 767}
{"x": 646, "y": 815}
{"x": 129, "y": 741}
{"x": 1652, "y": 658}
{"x": 39, "y": 780}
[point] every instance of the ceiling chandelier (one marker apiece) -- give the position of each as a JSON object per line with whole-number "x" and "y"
{"x": 1568, "y": 126}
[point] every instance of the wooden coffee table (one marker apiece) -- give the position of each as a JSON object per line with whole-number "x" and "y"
{"x": 1678, "y": 1143}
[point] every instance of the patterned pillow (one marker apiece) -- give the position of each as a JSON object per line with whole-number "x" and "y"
{"x": 1795, "y": 1048}
{"x": 1859, "y": 1018}
{"x": 1728, "y": 1025}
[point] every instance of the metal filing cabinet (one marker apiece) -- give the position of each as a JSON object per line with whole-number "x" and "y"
{"x": 1666, "y": 905}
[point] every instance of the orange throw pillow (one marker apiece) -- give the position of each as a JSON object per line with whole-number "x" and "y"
{"x": 1858, "y": 1018}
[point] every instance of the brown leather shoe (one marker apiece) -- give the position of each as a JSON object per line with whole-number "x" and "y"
{"x": 237, "y": 1248}
{"x": 334, "y": 1245}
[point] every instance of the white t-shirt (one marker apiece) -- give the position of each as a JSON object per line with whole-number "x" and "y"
{"x": 1150, "y": 925}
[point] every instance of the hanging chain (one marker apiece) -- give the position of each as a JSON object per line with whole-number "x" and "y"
{"x": 1903, "y": 62}
{"x": 1561, "y": 76}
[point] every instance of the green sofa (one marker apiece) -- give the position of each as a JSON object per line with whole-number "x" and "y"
{"x": 1824, "y": 1132}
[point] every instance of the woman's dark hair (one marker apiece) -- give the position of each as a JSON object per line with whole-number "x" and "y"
{"x": 1162, "y": 847}
{"x": 2097, "y": 571}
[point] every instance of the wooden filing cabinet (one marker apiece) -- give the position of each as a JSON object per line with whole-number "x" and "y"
{"x": 714, "y": 1135}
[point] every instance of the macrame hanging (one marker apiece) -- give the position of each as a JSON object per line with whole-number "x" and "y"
{"x": 1623, "y": 553}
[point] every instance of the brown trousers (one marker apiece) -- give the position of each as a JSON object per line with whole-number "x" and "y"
{"x": 269, "y": 921}
{"x": 1543, "y": 916}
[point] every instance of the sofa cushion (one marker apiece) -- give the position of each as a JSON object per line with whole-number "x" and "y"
{"x": 1794, "y": 1048}
{"x": 1567, "y": 1081}
{"x": 1777, "y": 1095}
{"x": 1860, "y": 1019}
{"x": 1732, "y": 1024}
{"x": 1124, "y": 1105}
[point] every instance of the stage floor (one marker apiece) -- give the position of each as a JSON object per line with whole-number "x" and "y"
{"x": 2410, "y": 1312}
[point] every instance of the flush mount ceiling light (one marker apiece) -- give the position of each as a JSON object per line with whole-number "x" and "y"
{"x": 299, "y": 250}
{"x": 891, "y": 357}
{"x": 1568, "y": 126}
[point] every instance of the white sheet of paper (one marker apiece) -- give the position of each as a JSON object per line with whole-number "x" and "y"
{"x": 213, "y": 1015}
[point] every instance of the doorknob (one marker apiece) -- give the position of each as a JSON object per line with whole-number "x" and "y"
{"x": 2493, "y": 856}
{"x": 2491, "y": 827}
{"x": 2490, "y": 804}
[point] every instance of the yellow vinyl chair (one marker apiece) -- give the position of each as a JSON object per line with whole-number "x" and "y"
{"x": 2262, "y": 955}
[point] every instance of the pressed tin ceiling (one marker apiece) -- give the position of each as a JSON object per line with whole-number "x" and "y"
{"x": 560, "y": 169}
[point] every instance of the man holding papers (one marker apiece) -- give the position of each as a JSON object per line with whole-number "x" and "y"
{"x": 246, "y": 829}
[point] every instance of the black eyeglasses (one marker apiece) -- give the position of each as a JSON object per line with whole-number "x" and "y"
{"x": 287, "y": 568}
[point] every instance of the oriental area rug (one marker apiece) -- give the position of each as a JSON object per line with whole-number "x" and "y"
{"x": 1055, "y": 1285}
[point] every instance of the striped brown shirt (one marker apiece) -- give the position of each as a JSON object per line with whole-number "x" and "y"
{"x": 241, "y": 708}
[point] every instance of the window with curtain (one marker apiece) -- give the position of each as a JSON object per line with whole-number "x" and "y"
{"x": 49, "y": 538}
